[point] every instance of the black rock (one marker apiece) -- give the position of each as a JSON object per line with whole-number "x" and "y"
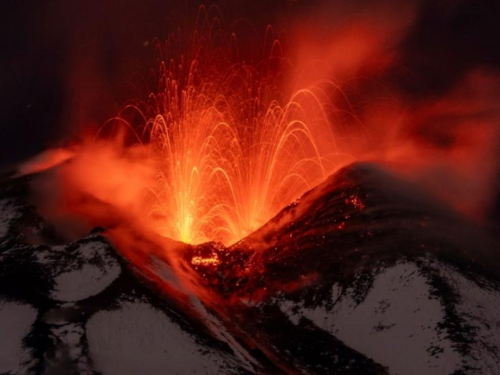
{"x": 362, "y": 275}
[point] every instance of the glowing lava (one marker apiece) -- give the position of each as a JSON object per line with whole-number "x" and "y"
{"x": 222, "y": 143}
{"x": 201, "y": 261}
{"x": 230, "y": 148}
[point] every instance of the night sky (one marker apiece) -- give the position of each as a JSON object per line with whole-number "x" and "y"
{"x": 66, "y": 63}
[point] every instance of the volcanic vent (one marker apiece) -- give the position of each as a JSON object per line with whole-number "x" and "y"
{"x": 261, "y": 213}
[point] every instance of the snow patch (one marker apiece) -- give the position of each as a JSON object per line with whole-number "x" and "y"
{"x": 90, "y": 250}
{"x": 82, "y": 273}
{"x": 479, "y": 307}
{"x": 15, "y": 323}
{"x": 138, "y": 339}
{"x": 8, "y": 212}
{"x": 397, "y": 324}
{"x": 83, "y": 283}
{"x": 69, "y": 350}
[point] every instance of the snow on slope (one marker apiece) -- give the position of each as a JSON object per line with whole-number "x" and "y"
{"x": 138, "y": 339}
{"x": 15, "y": 323}
{"x": 479, "y": 308}
{"x": 90, "y": 271}
{"x": 400, "y": 322}
{"x": 8, "y": 212}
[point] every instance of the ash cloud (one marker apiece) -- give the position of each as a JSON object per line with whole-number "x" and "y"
{"x": 415, "y": 87}
{"x": 68, "y": 66}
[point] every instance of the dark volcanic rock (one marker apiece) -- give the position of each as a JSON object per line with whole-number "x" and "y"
{"x": 362, "y": 275}
{"x": 80, "y": 308}
{"x": 372, "y": 262}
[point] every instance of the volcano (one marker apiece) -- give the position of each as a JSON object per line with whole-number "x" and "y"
{"x": 364, "y": 274}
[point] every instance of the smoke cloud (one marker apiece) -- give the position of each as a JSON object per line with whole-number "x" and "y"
{"x": 375, "y": 68}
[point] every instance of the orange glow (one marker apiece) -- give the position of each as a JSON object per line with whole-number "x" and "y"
{"x": 224, "y": 174}
{"x": 356, "y": 201}
{"x": 45, "y": 160}
{"x": 230, "y": 146}
{"x": 217, "y": 150}
{"x": 210, "y": 261}
{"x": 221, "y": 145}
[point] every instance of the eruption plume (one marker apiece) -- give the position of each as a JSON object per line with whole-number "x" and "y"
{"x": 294, "y": 198}
{"x": 229, "y": 144}
{"x": 224, "y": 140}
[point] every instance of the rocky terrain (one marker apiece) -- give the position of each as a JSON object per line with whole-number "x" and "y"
{"x": 362, "y": 275}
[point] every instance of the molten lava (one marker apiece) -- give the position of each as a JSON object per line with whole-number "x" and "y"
{"x": 221, "y": 143}
{"x": 218, "y": 187}
{"x": 230, "y": 146}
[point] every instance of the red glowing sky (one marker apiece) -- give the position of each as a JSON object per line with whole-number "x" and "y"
{"x": 401, "y": 68}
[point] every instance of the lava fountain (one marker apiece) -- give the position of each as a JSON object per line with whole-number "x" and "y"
{"x": 221, "y": 188}
{"x": 230, "y": 146}
{"x": 221, "y": 140}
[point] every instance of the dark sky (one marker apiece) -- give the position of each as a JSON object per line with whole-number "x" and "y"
{"x": 46, "y": 45}
{"x": 66, "y": 62}
{"x": 58, "y": 52}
